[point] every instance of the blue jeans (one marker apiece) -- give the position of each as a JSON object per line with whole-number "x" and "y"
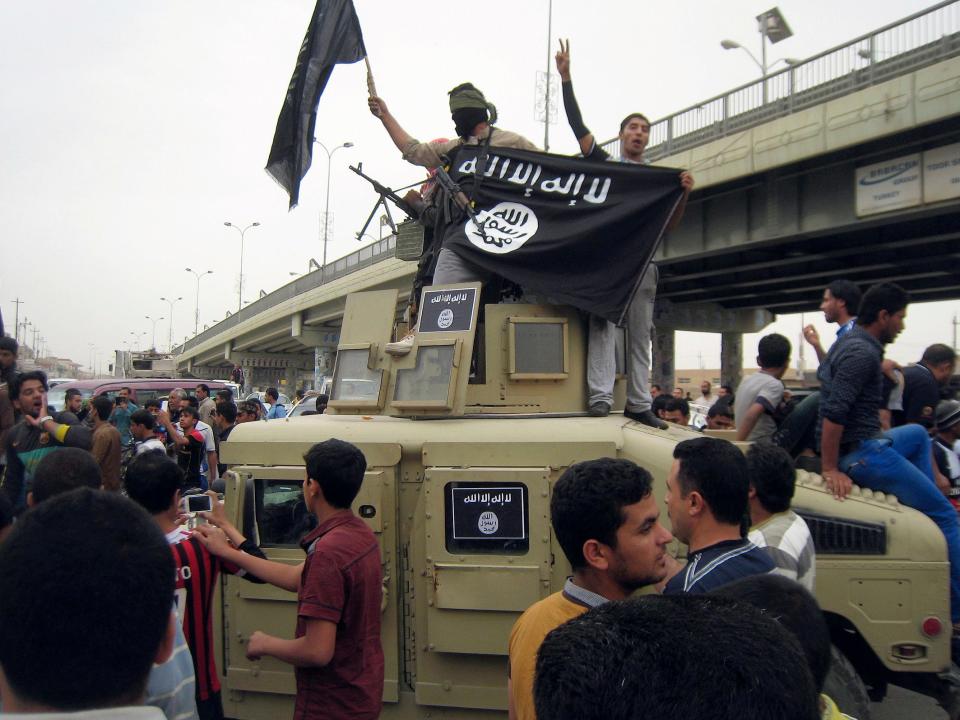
{"x": 900, "y": 463}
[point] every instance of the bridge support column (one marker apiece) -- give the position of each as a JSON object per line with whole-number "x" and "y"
{"x": 662, "y": 372}
{"x": 731, "y": 359}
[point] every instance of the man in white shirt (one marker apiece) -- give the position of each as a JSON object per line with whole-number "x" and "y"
{"x": 782, "y": 534}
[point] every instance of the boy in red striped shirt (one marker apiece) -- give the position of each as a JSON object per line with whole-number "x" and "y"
{"x": 154, "y": 481}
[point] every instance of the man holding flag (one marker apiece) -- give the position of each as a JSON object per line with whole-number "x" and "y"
{"x": 601, "y": 367}
{"x": 473, "y": 118}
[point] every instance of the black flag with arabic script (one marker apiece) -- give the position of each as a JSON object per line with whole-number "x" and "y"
{"x": 578, "y": 231}
{"x": 333, "y": 37}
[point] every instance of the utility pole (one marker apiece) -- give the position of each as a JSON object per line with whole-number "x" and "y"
{"x": 16, "y": 319}
{"x": 546, "y": 103}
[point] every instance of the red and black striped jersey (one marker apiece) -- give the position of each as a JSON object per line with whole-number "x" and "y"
{"x": 197, "y": 572}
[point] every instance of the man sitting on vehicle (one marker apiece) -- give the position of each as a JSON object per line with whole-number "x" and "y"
{"x": 852, "y": 448}
{"x": 922, "y": 384}
{"x": 760, "y": 395}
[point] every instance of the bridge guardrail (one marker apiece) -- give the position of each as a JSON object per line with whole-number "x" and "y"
{"x": 919, "y": 40}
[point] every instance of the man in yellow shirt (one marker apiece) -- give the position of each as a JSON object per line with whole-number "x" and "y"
{"x": 608, "y": 524}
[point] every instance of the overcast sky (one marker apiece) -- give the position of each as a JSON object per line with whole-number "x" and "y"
{"x": 132, "y": 130}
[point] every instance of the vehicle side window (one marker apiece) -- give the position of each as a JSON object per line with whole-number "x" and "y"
{"x": 281, "y": 515}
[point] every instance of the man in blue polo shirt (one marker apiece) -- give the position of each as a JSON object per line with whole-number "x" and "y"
{"x": 707, "y": 501}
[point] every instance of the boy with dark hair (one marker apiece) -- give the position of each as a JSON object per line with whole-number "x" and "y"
{"x": 679, "y": 657}
{"x": 106, "y": 442}
{"x": 606, "y": 520}
{"x": 35, "y": 436}
{"x": 677, "y": 411}
{"x": 142, "y": 427}
{"x": 336, "y": 652}
{"x": 154, "y": 482}
{"x": 922, "y": 383}
{"x": 759, "y": 398}
{"x": 720, "y": 416}
{"x": 62, "y": 472}
{"x": 97, "y": 640}
{"x": 706, "y": 500}
{"x": 190, "y": 444}
{"x": 797, "y": 611}
{"x": 782, "y": 534}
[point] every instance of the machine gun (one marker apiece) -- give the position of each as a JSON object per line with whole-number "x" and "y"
{"x": 385, "y": 194}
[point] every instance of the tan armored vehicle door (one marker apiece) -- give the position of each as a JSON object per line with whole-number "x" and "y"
{"x": 253, "y": 690}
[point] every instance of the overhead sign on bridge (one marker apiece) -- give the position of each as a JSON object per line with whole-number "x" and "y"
{"x": 908, "y": 181}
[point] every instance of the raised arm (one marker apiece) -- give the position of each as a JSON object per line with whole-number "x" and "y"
{"x": 283, "y": 575}
{"x": 588, "y": 145}
{"x": 428, "y": 155}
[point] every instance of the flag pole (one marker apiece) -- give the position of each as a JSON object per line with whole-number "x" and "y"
{"x": 371, "y": 88}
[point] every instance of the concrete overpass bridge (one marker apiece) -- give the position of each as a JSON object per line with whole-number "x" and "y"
{"x": 846, "y": 164}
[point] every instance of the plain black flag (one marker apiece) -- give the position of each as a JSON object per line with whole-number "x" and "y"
{"x": 333, "y": 37}
{"x": 578, "y": 231}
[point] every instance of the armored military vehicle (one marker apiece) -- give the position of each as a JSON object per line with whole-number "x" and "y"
{"x": 464, "y": 438}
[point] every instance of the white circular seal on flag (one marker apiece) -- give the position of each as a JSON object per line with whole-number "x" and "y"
{"x": 445, "y": 319}
{"x": 503, "y": 228}
{"x": 488, "y": 522}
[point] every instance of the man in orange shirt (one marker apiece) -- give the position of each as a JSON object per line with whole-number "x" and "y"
{"x": 607, "y": 522}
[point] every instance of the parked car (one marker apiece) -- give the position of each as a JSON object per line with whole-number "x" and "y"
{"x": 141, "y": 389}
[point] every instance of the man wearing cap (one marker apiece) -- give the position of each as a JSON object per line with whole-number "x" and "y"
{"x": 944, "y": 441}
{"x": 473, "y": 118}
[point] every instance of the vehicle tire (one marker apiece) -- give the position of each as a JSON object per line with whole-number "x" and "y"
{"x": 845, "y": 688}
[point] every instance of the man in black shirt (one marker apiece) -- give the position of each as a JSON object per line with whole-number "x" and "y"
{"x": 852, "y": 448}
{"x": 922, "y": 383}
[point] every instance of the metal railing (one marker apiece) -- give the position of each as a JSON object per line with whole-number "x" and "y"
{"x": 916, "y": 41}
{"x": 364, "y": 257}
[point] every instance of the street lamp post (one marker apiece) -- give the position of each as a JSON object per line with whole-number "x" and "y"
{"x": 242, "y": 233}
{"x": 326, "y": 207}
{"x": 196, "y": 304}
{"x": 171, "y": 303}
{"x": 139, "y": 337}
{"x": 153, "y": 330}
{"x": 773, "y": 28}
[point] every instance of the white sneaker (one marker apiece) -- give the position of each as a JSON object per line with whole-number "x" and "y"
{"x": 402, "y": 346}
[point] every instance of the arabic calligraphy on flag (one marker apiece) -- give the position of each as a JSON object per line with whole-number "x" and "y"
{"x": 577, "y": 231}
